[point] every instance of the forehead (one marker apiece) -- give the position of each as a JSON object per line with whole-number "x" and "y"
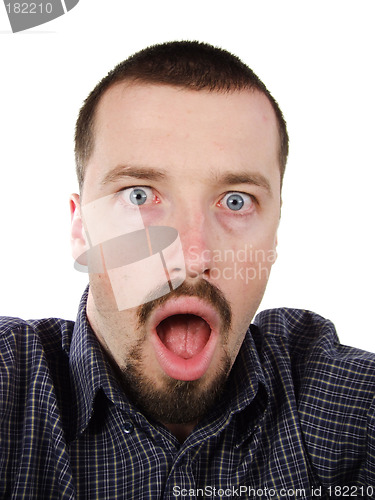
{"x": 163, "y": 126}
{"x": 140, "y": 104}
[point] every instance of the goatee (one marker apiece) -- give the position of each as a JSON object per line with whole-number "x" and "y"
{"x": 178, "y": 402}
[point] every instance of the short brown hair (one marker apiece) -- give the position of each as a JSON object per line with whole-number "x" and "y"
{"x": 188, "y": 64}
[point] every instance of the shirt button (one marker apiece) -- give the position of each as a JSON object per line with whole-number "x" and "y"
{"x": 128, "y": 427}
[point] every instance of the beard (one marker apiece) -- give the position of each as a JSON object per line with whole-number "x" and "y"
{"x": 177, "y": 402}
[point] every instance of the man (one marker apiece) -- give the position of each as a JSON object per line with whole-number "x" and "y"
{"x": 161, "y": 389}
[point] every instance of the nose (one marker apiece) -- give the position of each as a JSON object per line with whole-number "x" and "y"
{"x": 196, "y": 240}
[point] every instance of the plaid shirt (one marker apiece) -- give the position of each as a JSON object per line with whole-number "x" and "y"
{"x": 296, "y": 421}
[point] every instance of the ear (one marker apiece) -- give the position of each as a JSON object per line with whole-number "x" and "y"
{"x": 77, "y": 233}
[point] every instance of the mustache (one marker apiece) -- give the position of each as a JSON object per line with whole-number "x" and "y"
{"x": 202, "y": 290}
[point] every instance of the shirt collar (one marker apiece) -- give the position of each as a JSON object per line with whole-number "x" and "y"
{"x": 253, "y": 393}
{"x": 247, "y": 374}
{"x": 246, "y": 396}
{"x": 89, "y": 369}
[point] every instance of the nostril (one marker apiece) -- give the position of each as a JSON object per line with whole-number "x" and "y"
{"x": 194, "y": 270}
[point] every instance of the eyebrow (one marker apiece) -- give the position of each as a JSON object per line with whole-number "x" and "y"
{"x": 230, "y": 178}
{"x": 255, "y": 179}
{"x": 136, "y": 172}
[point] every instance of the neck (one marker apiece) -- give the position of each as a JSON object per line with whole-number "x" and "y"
{"x": 181, "y": 431}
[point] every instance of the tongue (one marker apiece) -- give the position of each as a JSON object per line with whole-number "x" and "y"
{"x": 184, "y": 334}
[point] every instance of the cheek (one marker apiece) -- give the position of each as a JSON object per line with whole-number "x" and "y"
{"x": 242, "y": 274}
{"x": 244, "y": 264}
{"x": 102, "y": 293}
{"x": 240, "y": 234}
{"x": 245, "y": 295}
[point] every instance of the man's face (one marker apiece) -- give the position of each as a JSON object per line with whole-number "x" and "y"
{"x": 205, "y": 164}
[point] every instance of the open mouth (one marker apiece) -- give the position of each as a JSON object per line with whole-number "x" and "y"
{"x": 184, "y": 337}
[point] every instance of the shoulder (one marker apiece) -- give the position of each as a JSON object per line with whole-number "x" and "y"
{"x": 294, "y": 324}
{"x": 307, "y": 336}
{"x": 36, "y": 404}
{"x": 318, "y": 362}
{"x": 29, "y": 351}
{"x": 329, "y": 379}
{"x": 334, "y": 389}
{"x": 17, "y": 334}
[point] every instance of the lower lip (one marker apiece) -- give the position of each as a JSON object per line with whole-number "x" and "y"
{"x": 184, "y": 369}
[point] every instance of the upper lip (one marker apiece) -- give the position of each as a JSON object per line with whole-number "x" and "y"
{"x": 186, "y": 305}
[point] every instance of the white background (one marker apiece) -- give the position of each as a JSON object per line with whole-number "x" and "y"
{"x": 317, "y": 59}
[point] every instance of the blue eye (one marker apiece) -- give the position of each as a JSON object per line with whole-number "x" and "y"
{"x": 138, "y": 196}
{"x": 235, "y": 201}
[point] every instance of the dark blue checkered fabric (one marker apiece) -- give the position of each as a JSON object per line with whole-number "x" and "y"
{"x": 296, "y": 420}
